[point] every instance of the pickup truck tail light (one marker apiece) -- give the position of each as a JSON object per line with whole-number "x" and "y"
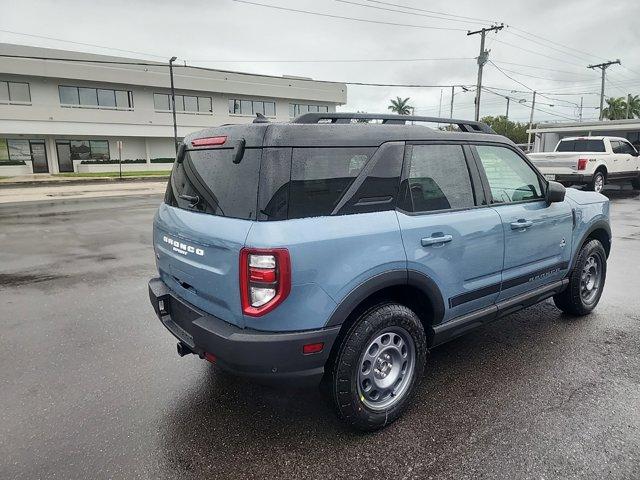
{"x": 265, "y": 279}
{"x": 582, "y": 164}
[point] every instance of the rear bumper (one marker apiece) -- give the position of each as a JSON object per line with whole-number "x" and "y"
{"x": 267, "y": 356}
{"x": 573, "y": 177}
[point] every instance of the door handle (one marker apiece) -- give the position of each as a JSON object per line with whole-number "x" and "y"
{"x": 435, "y": 240}
{"x": 521, "y": 224}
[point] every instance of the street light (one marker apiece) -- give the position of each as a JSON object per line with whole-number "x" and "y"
{"x": 173, "y": 105}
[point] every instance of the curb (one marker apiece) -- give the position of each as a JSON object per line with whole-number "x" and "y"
{"x": 82, "y": 181}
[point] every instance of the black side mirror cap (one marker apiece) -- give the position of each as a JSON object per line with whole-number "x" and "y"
{"x": 555, "y": 192}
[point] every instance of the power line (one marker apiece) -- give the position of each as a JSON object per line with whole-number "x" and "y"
{"x": 511, "y": 27}
{"x": 196, "y": 67}
{"x": 538, "y": 53}
{"x": 541, "y": 78}
{"x": 408, "y": 13}
{"x": 81, "y": 43}
{"x": 337, "y": 60}
{"x": 553, "y": 42}
{"x": 482, "y": 20}
{"x": 501, "y": 62}
{"x": 546, "y": 46}
{"x": 354, "y": 19}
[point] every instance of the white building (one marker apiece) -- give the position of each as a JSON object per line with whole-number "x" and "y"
{"x": 64, "y": 116}
{"x": 547, "y": 135}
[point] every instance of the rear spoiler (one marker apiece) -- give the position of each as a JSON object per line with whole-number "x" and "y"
{"x": 388, "y": 119}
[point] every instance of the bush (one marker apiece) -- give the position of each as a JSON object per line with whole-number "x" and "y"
{"x": 163, "y": 160}
{"x": 100, "y": 162}
{"x": 6, "y": 163}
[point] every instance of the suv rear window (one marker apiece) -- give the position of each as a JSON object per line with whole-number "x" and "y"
{"x": 208, "y": 181}
{"x": 581, "y": 146}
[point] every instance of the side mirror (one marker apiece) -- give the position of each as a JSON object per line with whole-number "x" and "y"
{"x": 555, "y": 192}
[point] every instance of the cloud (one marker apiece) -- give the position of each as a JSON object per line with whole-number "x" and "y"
{"x": 207, "y": 32}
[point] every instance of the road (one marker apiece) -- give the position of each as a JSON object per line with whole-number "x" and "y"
{"x": 91, "y": 386}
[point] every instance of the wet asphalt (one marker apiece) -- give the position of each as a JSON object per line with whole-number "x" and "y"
{"x": 91, "y": 386}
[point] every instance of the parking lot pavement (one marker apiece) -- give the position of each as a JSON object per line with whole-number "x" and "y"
{"x": 91, "y": 386}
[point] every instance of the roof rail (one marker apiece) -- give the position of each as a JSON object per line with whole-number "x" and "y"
{"x": 388, "y": 119}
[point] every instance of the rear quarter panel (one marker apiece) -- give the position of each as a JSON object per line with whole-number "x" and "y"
{"x": 330, "y": 256}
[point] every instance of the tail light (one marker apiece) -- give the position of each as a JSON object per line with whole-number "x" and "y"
{"x": 265, "y": 279}
{"x": 582, "y": 164}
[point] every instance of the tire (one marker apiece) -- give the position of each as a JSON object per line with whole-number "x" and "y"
{"x": 635, "y": 183}
{"x": 597, "y": 182}
{"x": 396, "y": 337}
{"x": 578, "y": 299}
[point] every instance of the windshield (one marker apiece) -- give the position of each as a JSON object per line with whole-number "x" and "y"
{"x": 581, "y": 146}
{"x": 208, "y": 181}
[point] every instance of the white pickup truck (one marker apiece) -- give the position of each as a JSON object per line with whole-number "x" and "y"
{"x": 593, "y": 161}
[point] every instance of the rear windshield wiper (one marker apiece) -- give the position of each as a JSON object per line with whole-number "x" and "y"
{"x": 194, "y": 200}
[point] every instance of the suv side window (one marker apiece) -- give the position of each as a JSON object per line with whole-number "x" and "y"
{"x": 438, "y": 179}
{"x": 320, "y": 176}
{"x": 510, "y": 177}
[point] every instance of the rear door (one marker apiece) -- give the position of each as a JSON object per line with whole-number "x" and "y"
{"x": 537, "y": 236}
{"x": 209, "y": 209}
{"x": 628, "y": 153}
{"x": 448, "y": 232}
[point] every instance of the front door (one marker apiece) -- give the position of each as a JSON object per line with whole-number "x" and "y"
{"x": 65, "y": 164}
{"x": 447, "y": 234}
{"x": 537, "y": 236}
{"x": 39, "y": 157}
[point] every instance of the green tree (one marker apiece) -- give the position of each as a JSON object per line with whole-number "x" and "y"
{"x": 515, "y": 131}
{"x": 400, "y": 106}
{"x": 633, "y": 105}
{"x": 616, "y": 108}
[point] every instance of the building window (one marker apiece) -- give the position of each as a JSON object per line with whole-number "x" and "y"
{"x": 16, "y": 151}
{"x": 87, "y": 149}
{"x": 184, "y": 103}
{"x": 15, "y": 93}
{"x": 252, "y": 107}
{"x": 296, "y": 109}
{"x": 87, "y": 97}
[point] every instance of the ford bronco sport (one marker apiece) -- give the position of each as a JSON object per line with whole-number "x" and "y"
{"x": 337, "y": 249}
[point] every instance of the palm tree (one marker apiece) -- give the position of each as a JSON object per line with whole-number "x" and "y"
{"x": 400, "y": 106}
{"x": 616, "y": 108}
{"x": 633, "y": 104}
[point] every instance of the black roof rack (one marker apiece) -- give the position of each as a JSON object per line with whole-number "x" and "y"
{"x": 388, "y": 119}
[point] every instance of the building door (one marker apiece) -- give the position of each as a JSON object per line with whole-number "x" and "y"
{"x": 64, "y": 156}
{"x": 39, "y": 157}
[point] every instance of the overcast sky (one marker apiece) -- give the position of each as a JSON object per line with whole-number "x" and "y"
{"x": 215, "y": 32}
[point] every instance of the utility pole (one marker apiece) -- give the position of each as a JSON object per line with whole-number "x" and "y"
{"x": 533, "y": 106}
{"x": 173, "y": 104}
{"x": 603, "y": 67}
{"x": 482, "y": 59}
{"x": 628, "y": 104}
{"x": 453, "y": 92}
{"x": 507, "y": 114}
{"x": 580, "y": 114}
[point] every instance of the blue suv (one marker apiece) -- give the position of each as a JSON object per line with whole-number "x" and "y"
{"x": 337, "y": 249}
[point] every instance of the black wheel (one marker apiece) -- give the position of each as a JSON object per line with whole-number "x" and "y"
{"x": 378, "y": 367}
{"x": 597, "y": 182}
{"x": 635, "y": 183}
{"x": 586, "y": 281}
